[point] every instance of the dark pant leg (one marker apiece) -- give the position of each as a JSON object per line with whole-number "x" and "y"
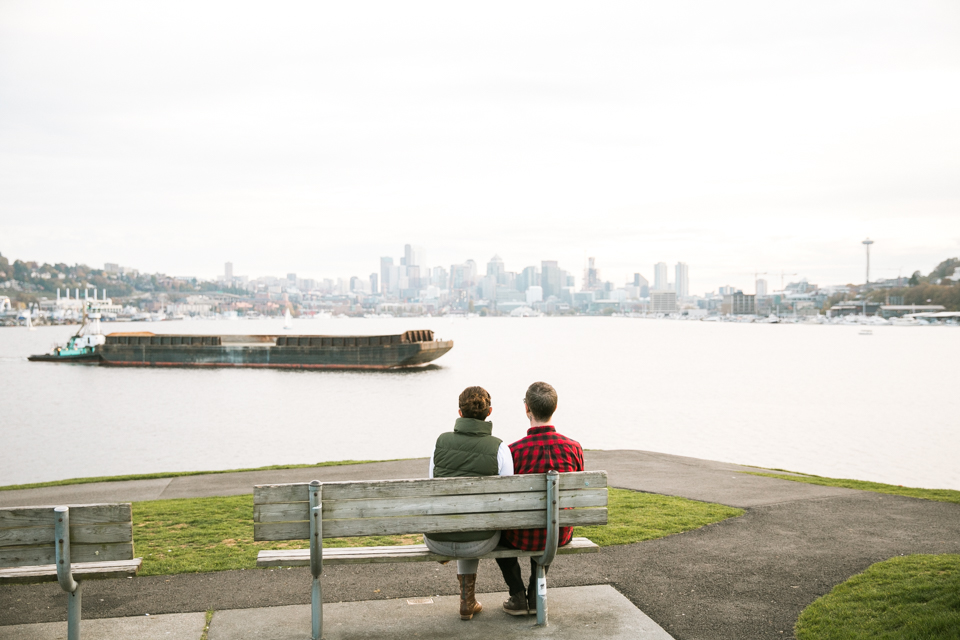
{"x": 532, "y": 589}
{"x": 510, "y": 568}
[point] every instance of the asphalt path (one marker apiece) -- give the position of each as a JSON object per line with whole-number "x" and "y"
{"x": 746, "y": 577}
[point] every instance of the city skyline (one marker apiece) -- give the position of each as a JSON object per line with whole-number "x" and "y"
{"x": 737, "y": 138}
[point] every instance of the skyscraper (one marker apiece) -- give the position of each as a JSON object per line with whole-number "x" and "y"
{"x": 385, "y": 264}
{"x": 682, "y": 273}
{"x": 591, "y": 276}
{"x": 495, "y": 269}
{"x": 228, "y": 271}
{"x": 761, "y": 287}
{"x": 660, "y": 276}
{"x": 550, "y": 278}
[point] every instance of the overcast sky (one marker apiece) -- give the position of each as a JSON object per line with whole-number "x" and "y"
{"x": 316, "y": 137}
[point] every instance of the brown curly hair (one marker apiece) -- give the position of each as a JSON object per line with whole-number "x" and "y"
{"x": 475, "y": 403}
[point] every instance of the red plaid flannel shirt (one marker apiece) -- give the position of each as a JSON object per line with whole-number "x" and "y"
{"x": 542, "y": 450}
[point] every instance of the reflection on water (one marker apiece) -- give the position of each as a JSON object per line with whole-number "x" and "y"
{"x": 821, "y": 400}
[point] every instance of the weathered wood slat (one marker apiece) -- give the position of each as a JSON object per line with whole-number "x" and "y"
{"x": 407, "y": 553}
{"x": 79, "y": 514}
{"x": 426, "y": 524}
{"x": 79, "y": 534}
{"x": 80, "y": 570}
{"x": 435, "y": 505}
{"x": 265, "y": 494}
{"x": 39, "y": 555}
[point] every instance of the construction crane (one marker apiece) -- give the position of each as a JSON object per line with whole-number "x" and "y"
{"x": 782, "y": 275}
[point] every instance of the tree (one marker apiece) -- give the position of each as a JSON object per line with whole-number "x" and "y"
{"x": 914, "y": 279}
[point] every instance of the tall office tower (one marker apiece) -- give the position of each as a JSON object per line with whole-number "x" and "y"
{"x": 761, "y": 287}
{"x": 660, "y": 276}
{"x": 292, "y": 279}
{"x": 529, "y": 277}
{"x": 495, "y": 269}
{"x": 471, "y": 266}
{"x": 374, "y": 288}
{"x": 385, "y": 264}
{"x": 643, "y": 284}
{"x": 413, "y": 255}
{"x": 440, "y": 278}
{"x": 550, "y": 278}
{"x": 227, "y": 271}
{"x": 591, "y": 276}
{"x": 682, "y": 280}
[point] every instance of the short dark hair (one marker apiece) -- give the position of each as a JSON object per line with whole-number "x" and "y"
{"x": 541, "y": 400}
{"x": 475, "y": 403}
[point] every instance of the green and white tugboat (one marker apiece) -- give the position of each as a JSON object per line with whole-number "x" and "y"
{"x": 83, "y": 347}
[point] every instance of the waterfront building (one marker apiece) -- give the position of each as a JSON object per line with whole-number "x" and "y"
{"x": 660, "y": 276}
{"x": 682, "y": 280}
{"x": 663, "y": 301}
{"x": 739, "y": 303}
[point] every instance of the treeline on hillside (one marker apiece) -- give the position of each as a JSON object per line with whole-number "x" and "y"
{"x": 27, "y": 282}
{"x": 935, "y": 288}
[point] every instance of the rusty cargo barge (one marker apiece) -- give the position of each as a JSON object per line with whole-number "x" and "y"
{"x": 409, "y": 349}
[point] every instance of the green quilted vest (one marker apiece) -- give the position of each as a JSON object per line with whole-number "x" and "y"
{"x": 468, "y": 450}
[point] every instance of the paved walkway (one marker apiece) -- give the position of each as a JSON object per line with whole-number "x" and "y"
{"x": 747, "y": 577}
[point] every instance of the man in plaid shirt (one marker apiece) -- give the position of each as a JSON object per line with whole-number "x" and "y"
{"x": 543, "y": 449}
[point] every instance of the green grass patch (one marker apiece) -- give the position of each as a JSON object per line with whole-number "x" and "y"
{"x": 906, "y": 598}
{"x": 938, "y": 495}
{"x": 177, "y": 474}
{"x": 633, "y": 517}
{"x": 192, "y": 535}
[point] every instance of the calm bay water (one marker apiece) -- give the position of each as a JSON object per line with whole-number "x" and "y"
{"x": 816, "y": 399}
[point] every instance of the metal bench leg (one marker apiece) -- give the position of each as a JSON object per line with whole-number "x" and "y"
{"x": 73, "y": 613}
{"x": 541, "y": 596}
{"x": 316, "y": 558}
{"x": 316, "y": 609}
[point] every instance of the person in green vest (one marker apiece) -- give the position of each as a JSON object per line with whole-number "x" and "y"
{"x": 469, "y": 450}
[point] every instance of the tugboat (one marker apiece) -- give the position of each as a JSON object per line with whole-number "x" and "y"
{"x": 83, "y": 347}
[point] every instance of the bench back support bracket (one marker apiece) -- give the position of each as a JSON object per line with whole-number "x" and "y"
{"x": 316, "y": 558}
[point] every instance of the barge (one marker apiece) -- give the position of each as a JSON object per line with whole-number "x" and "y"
{"x": 144, "y": 349}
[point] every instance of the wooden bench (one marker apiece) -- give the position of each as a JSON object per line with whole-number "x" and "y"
{"x": 67, "y": 544}
{"x": 313, "y": 511}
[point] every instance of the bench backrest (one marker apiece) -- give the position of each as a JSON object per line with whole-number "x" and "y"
{"x": 393, "y": 507}
{"x": 98, "y": 532}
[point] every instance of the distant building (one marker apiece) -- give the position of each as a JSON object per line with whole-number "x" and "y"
{"x": 591, "y": 276}
{"x": 761, "y": 289}
{"x": 529, "y": 277}
{"x": 550, "y": 278}
{"x": 386, "y": 263}
{"x": 228, "y": 271}
{"x": 495, "y": 269}
{"x": 739, "y": 303}
{"x": 660, "y": 276}
{"x": 663, "y": 301}
{"x": 112, "y": 267}
{"x": 682, "y": 281}
{"x": 642, "y": 284}
{"x": 374, "y": 288}
{"x": 534, "y": 294}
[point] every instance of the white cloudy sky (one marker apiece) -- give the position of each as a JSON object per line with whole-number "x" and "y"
{"x": 316, "y": 137}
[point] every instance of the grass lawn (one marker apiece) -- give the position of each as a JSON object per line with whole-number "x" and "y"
{"x": 938, "y": 495}
{"x": 177, "y": 474}
{"x": 216, "y": 534}
{"x": 908, "y": 598}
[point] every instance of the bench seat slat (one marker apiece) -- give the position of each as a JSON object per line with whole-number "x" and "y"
{"x": 79, "y": 534}
{"x": 298, "y": 492}
{"x": 40, "y": 555}
{"x": 406, "y": 553}
{"x": 436, "y": 505}
{"x": 80, "y": 570}
{"x": 426, "y": 524}
{"x": 79, "y": 515}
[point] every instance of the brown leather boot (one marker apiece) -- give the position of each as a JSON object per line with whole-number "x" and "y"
{"x": 468, "y": 599}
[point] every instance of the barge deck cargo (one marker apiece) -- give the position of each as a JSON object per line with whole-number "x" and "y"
{"x": 409, "y": 349}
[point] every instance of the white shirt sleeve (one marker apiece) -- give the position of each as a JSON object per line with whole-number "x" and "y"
{"x": 430, "y": 470}
{"x": 504, "y": 460}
